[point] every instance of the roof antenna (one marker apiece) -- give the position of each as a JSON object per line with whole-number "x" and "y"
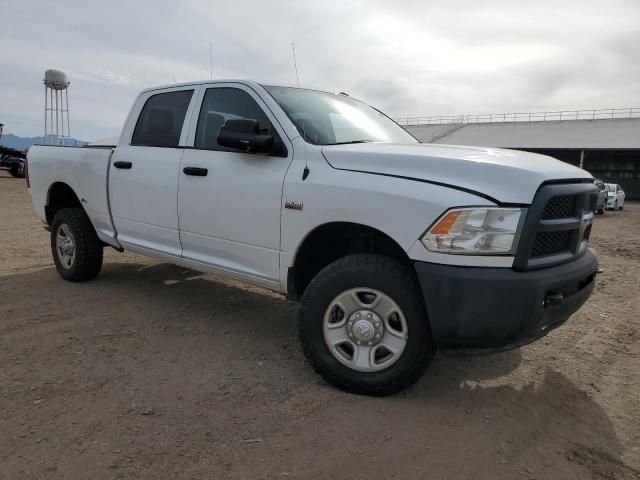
{"x": 305, "y": 172}
{"x": 210, "y": 61}
{"x": 295, "y": 64}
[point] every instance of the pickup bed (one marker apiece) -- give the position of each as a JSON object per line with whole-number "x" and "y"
{"x": 395, "y": 249}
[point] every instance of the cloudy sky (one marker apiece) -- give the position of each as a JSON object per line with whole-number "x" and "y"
{"x": 406, "y": 57}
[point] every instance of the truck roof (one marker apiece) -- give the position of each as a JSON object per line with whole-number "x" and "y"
{"x": 250, "y": 83}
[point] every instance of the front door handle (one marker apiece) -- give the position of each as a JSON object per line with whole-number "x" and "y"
{"x": 195, "y": 171}
{"x": 121, "y": 164}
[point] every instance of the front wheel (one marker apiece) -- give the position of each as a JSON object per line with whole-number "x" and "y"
{"x": 77, "y": 251}
{"x": 363, "y": 325}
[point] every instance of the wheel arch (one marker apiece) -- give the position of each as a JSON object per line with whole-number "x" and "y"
{"x": 60, "y": 195}
{"x": 331, "y": 241}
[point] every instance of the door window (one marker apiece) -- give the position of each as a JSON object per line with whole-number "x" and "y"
{"x": 161, "y": 119}
{"x": 222, "y": 104}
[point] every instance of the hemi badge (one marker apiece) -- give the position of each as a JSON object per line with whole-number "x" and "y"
{"x": 292, "y": 205}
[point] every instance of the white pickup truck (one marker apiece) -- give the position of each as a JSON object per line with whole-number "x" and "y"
{"x": 395, "y": 249}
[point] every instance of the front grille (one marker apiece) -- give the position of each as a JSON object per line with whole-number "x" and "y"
{"x": 562, "y": 206}
{"x": 549, "y": 243}
{"x": 552, "y": 231}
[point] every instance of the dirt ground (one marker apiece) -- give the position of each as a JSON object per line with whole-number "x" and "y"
{"x": 153, "y": 371}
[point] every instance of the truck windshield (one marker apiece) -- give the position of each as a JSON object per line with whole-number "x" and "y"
{"x": 330, "y": 119}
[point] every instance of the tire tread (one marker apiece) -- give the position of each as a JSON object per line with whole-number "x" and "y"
{"x": 89, "y": 250}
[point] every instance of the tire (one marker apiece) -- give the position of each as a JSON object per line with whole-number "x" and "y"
{"x": 392, "y": 280}
{"x": 86, "y": 260}
{"x": 17, "y": 170}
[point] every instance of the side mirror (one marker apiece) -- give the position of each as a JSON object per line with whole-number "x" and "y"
{"x": 245, "y": 135}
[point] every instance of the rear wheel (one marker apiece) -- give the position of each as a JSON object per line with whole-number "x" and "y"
{"x": 363, "y": 325}
{"x": 76, "y": 249}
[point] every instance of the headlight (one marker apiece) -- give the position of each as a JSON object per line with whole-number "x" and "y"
{"x": 476, "y": 231}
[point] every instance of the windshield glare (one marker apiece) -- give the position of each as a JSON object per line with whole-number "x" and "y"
{"x": 329, "y": 119}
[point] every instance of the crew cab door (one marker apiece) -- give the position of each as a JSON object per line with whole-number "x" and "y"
{"x": 230, "y": 200}
{"x": 143, "y": 175}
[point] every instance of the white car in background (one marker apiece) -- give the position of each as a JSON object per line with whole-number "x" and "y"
{"x": 615, "y": 196}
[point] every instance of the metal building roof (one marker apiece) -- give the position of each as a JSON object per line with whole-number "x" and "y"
{"x": 105, "y": 142}
{"x": 573, "y": 134}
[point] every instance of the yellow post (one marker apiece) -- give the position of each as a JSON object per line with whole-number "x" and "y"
{"x": 582, "y": 159}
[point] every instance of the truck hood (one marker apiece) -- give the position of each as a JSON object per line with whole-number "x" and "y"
{"x": 508, "y": 176}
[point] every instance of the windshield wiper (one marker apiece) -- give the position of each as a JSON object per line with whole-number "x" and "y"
{"x": 352, "y": 141}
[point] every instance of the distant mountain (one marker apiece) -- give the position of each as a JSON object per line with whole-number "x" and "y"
{"x": 22, "y": 143}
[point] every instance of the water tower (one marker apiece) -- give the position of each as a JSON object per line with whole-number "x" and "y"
{"x": 56, "y": 107}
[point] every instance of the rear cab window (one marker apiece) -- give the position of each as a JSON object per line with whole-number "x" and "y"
{"x": 161, "y": 119}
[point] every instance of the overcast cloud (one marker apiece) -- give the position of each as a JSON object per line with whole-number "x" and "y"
{"x": 404, "y": 57}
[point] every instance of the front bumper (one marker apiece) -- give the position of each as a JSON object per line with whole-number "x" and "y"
{"x": 476, "y": 310}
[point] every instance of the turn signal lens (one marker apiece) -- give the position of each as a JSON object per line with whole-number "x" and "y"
{"x": 444, "y": 225}
{"x": 476, "y": 231}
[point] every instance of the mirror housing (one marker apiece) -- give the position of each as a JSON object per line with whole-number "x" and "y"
{"x": 245, "y": 135}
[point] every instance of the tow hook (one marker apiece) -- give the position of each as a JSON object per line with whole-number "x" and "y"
{"x": 552, "y": 298}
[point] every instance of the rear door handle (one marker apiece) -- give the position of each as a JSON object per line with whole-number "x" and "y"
{"x": 121, "y": 164}
{"x": 195, "y": 171}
